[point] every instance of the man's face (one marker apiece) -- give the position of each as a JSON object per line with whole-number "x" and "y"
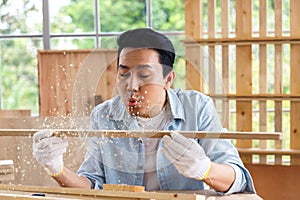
{"x": 140, "y": 82}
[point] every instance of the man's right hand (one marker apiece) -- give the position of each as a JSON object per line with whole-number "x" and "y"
{"x": 48, "y": 150}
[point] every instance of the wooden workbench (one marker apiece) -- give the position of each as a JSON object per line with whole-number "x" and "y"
{"x": 13, "y": 192}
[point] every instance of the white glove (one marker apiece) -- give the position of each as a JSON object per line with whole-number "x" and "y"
{"x": 187, "y": 156}
{"x": 48, "y": 150}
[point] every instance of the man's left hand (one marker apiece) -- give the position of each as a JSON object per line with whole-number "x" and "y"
{"x": 187, "y": 155}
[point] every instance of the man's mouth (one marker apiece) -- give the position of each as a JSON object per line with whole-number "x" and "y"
{"x": 133, "y": 102}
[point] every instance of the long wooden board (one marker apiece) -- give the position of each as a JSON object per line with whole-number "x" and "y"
{"x": 146, "y": 134}
{"x": 7, "y": 192}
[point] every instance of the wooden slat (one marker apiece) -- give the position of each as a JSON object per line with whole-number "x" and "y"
{"x": 279, "y": 152}
{"x": 193, "y": 18}
{"x": 263, "y": 75}
{"x": 14, "y": 113}
{"x": 247, "y": 97}
{"x": 193, "y": 31}
{"x": 144, "y": 134}
{"x": 295, "y": 81}
{"x": 225, "y": 62}
{"x": 244, "y": 72}
{"x": 194, "y": 67}
{"x": 43, "y": 122}
{"x": 123, "y": 187}
{"x": 211, "y": 11}
{"x": 246, "y": 40}
{"x": 278, "y": 75}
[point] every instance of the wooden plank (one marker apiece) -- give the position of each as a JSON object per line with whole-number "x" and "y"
{"x": 225, "y": 62}
{"x": 295, "y": 81}
{"x": 193, "y": 18}
{"x": 279, "y": 152}
{"x": 77, "y": 193}
{"x": 143, "y": 134}
{"x": 278, "y": 75}
{"x": 247, "y": 97}
{"x": 246, "y": 40}
{"x": 194, "y": 67}
{"x": 193, "y": 31}
{"x": 244, "y": 72}
{"x": 263, "y": 8}
{"x": 102, "y": 194}
{"x": 211, "y": 8}
{"x": 43, "y": 122}
{"x": 14, "y": 113}
{"x": 123, "y": 187}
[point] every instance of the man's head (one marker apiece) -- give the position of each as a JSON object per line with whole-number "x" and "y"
{"x": 149, "y": 39}
{"x": 145, "y": 61}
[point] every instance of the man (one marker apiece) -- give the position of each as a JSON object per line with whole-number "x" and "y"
{"x": 145, "y": 101}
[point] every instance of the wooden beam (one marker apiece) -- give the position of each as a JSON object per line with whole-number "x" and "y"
{"x": 244, "y": 72}
{"x": 281, "y": 152}
{"x": 144, "y": 134}
{"x": 10, "y": 192}
{"x": 247, "y": 97}
{"x": 246, "y": 40}
{"x": 263, "y": 10}
{"x": 294, "y": 80}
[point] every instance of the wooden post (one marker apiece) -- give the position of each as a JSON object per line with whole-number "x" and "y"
{"x": 193, "y": 31}
{"x": 263, "y": 76}
{"x": 295, "y": 81}
{"x": 278, "y": 75}
{"x": 211, "y": 8}
{"x": 225, "y": 62}
{"x": 244, "y": 72}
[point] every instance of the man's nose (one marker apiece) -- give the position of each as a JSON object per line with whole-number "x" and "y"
{"x": 133, "y": 84}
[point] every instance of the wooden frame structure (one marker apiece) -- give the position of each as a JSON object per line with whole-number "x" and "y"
{"x": 243, "y": 41}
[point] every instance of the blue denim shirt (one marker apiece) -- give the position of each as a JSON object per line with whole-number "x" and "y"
{"x": 121, "y": 160}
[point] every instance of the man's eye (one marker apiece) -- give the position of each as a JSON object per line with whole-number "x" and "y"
{"x": 124, "y": 74}
{"x": 144, "y": 76}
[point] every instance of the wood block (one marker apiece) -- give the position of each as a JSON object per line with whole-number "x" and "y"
{"x": 6, "y": 170}
{"x": 123, "y": 187}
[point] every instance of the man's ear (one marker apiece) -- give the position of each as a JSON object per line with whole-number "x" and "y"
{"x": 170, "y": 79}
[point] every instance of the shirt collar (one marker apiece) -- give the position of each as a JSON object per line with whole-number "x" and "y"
{"x": 176, "y": 105}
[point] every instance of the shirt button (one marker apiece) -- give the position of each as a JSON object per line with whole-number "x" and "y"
{"x": 140, "y": 167}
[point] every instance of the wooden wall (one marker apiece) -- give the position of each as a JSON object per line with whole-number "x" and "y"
{"x": 252, "y": 58}
{"x": 72, "y": 81}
